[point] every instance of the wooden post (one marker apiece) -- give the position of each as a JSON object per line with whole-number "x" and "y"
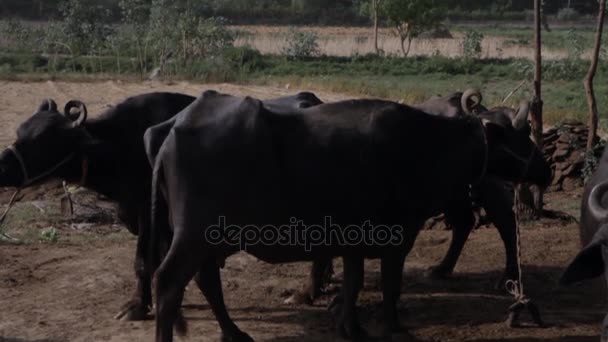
{"x": 537, "y": 105}
{"x": 531, "y": 204}
{"x": 588, "y": 81}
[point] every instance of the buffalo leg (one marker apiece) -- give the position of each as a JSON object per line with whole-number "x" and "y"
{"x": 392, "y": 274}
{"x": 138, "y": 308}
{"x": 209, "y": 282}
{"x": 498, "y": 203}
{"x": 392, "y": 264}
{"x": 461, "y": 218}
{"x": 345, "y": 303}
{"x": 170, "y": 280}
{"x": 320, "y": 270}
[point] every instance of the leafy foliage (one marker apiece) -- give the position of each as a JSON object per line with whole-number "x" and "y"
{"x": 49, "y": 235}
{"x": 301, "y": 44}
{"x": 412, "y": 17}
{"x": 592, "y": 159}
{"x": 471, "y": 44}
{"x": 85, "y": 27}
{"x": 566, "y": 14}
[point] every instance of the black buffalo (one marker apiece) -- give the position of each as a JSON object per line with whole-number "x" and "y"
{"x": 355, "y": 162}
{"x": 592, "y": 260}
{"x": 105, "y": 154}
{"x": 494, "y": 194}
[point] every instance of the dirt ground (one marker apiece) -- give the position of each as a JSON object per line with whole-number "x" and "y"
{"x": 70, "y": 290}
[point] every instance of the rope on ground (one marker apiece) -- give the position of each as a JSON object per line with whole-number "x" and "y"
{"x": 516, "y": 287}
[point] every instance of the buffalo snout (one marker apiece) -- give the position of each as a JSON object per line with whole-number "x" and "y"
{"x": 10, "y": 171}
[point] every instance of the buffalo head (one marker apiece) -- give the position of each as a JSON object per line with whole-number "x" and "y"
{"x": 48, "y": 145}
{"x": 589, "y": 263}
{"x": 512, "y": 154}
{"x": 455, "y": 104}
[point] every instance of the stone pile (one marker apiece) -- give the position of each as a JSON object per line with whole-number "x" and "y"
{"x": 564, "y": 148}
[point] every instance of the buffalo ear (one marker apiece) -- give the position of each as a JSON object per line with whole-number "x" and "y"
{"x": 589, "y": 262}
{"x": 494, "y": 132}
{"x": 48, "y": 105}
{"x": 76, "y": 111}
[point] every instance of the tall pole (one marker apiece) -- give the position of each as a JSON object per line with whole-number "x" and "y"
{"x": 537, "y": 105}
{"x": 537, "y": 102}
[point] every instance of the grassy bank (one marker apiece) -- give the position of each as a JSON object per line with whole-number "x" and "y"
{"x": 410, "y": 80}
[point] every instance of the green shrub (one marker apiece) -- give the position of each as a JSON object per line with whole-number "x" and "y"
{"x": 471, "y": 44}
{"x": 592, "y": 159}
{"x": 301, "y": 44}
{"x": 568, "y": 14}
{"x": 49, "y": 235}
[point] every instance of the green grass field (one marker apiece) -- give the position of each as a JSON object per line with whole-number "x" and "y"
{"x": 410, "y": 80}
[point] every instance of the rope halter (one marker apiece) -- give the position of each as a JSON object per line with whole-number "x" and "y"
{"x": 29, "y": 180}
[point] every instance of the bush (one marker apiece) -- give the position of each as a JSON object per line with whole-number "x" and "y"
{"x": 244, "y": 58}
{"x": 592, "y": 159}
{"x": 301, "y": 44}
{"x": 471, "y": 45}
{"x": 85, "y": 27}
{"x": 568, "y": 14}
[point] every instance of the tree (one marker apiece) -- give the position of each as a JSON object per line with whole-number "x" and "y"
{"x": 588, "y": 81}
{"x": 375, "y": 14}
{"x": 412, "y": 17}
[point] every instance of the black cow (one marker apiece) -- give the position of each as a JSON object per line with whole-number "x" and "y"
{"x": 492, "y": 193}
{"x": 105, "y": 154}
{"x": 355, "y": 162}
{"x": 591, "y": 261}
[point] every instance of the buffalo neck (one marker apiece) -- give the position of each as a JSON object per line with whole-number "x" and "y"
{"x": 116, "y": 158}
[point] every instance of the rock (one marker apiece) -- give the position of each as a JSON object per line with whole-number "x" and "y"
{"x": 560, "y": 154}
{"x": 565, "y": 138}
{"x": 557, "y": 177}
{"x": 572, "y": 122}
{"x": 562, "y": 166}
{"x": 577, "y": 158}
{"x": 571, "y": 183}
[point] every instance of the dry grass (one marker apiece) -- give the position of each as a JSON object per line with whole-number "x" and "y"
{"x": 343, "y": 41}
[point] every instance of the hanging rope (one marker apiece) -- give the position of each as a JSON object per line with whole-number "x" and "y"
{"x": 516, "y": 287}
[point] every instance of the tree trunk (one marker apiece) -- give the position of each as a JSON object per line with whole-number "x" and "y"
{"x": 588, "y": 81}
{"x": 403, "y": 46}
{"x": 409, "y": 45}
{"x": 376, "y": 4}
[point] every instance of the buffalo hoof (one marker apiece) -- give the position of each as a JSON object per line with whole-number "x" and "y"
{"x": 392, "y": 326}
{"x": 438, "y": 272}
{"x": 347, "y": 329}
{"x": 180, "y": 325}
{"x": 352, "y": 330}
{"x": 134, "y": 310}
{"x": 236, "y": 336}
{"x": 299, "y": 298}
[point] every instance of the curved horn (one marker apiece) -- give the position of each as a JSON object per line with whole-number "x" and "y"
{"x": 473, "y": 95}
{"x": 595, "y": 201}
{"x": 78, "y": 118}
{"x": 48, "y": 105}
{"x": 521, "y": 118}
